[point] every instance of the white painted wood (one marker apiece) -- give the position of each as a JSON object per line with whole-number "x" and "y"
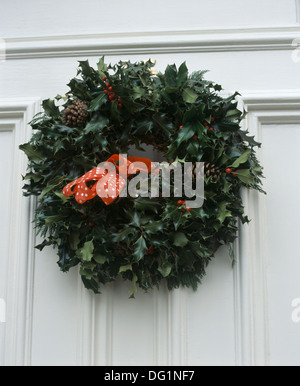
{"x": 33, "y": 18}
{"x": 173, "y": 41}
{"x": 17, "y": 238}
{"x": 239, "y": 315}
{"x": 269, "y": 114}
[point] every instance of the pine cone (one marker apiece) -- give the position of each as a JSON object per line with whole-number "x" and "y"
{"x": 211, "y": 170}
{"x": 75, "y": 115}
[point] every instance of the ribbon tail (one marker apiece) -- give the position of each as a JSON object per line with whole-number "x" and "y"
{"x": 109, "y": 187}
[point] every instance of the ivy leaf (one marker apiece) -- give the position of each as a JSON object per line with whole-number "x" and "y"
{"x": 87, "y": 270}
{"x": 180, "y": 239}
{"x": 125, "y": 268}
{"x": 31, "y": 152}
{"x": 140, "y": 248}
{"x": 134, "y": 287}
{"x": 100, "y": 259}
{"x": 165, "y": 268}
{"x": 86, "y": 252}
{"x": 242, "y": 159}
{"x": 189, "y": 96}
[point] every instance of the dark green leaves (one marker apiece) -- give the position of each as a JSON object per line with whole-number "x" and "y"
{"x": 189, "y": 96}
{"x": 192, "y": 124}
{"x": 242, "y": 159}
{"x": 180, "y": 239}
{"x": 175, "y": 79}
{"x": 102, "y": 67}
{"x": 32, "y": 154}
{"x": 140, "y": 248}
{"x": 98, "y": 102}
{"x": 143, "y": 240}
{"x": 50, "y": 109}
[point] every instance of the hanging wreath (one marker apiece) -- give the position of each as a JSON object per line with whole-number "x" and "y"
{"x": 108, "y": 111}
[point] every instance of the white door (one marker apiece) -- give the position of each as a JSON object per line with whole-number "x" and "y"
{"x": 246, "y": 314}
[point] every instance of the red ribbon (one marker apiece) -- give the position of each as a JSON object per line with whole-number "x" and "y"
{"x": 111, "y": 179}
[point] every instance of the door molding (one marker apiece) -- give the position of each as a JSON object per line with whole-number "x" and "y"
{"x": 14, "y": 117}
{"x": 251, "y": 293}
{"x": 156, "y": 42}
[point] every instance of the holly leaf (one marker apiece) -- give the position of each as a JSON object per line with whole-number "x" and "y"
{"x": 182, "y": 76}
{"x": 102, "y": 67}
{"x": 140, "y": 248}
{"x": 86, "y": 252}
{"x": 186, "y": 132}
{"x": 223, "y": 212}
{"x": 245, "y": 176}
{"x": 31, "y": 152}
{"x": 98, "y": 102}
{"x": 171, "y": 76}
{"x": 123, "y": 235}
{"x": 96, "y": 125}
{"x": 242, "y": 159}
{"x": 153, "y": 227}
{"x": 50, "y": 109}
{"x": 91, "y": 284}
{"x": 233, "y": 115}
{"x": 145, "y": 204}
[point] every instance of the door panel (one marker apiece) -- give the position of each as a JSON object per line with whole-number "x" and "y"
{"x": 241, "y": 313}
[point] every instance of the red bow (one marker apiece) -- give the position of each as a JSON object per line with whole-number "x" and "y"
{"x": 111, "y": 179}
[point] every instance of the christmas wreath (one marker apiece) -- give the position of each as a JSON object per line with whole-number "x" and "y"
{"x": 108, "y": 111}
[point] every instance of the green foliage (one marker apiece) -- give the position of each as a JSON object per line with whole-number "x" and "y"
{"x": 143, "y": 240}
